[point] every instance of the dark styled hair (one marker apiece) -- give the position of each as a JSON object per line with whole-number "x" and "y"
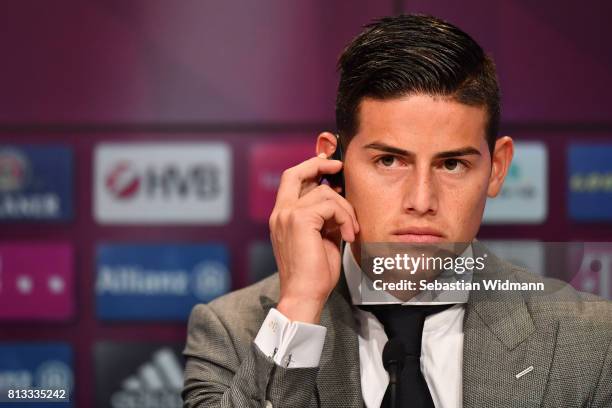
{"x": 415, "y": 54}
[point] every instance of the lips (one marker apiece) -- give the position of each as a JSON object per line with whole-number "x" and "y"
{"x": 416, "y": 234}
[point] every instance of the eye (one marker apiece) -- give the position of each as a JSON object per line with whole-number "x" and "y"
{"x": 451, "y": 164}
{"x": 387, "y": 161}
{"x": 454, "y": 165}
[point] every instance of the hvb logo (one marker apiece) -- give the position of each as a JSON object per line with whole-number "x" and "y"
{"x": 122, "y": 181}
{"x": 201, "y": 181}
{"x": 162, "y": 183}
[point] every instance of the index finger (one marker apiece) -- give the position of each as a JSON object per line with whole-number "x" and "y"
{"x": 294, "y": 177}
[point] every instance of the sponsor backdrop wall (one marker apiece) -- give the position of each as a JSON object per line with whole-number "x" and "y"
{"x": 141, "y": 145}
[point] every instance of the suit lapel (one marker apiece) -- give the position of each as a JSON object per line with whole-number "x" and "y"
{"x": 501, "y": 341}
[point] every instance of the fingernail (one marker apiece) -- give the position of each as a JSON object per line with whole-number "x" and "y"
{"x": 322, "y": 156}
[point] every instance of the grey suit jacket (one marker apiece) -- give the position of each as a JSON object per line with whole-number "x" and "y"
{"x": 566, "y": 336}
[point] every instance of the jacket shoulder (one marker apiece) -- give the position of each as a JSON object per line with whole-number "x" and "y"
{"x": 247, "y": 300}
{"x": 561, "y": 302}
{"x": 239, "y": 313}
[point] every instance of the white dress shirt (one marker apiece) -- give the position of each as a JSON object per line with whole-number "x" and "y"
{"x": 298, "y": 344}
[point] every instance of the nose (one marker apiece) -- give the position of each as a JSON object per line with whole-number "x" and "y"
{"x": 420, "y": 193}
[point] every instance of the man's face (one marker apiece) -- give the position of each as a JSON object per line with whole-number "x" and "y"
{"x": 418, "y": 170}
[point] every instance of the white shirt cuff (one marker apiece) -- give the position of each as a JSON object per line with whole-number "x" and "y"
{"x": 290, "y": 344}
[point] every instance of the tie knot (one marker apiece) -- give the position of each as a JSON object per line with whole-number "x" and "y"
{"x": 404, "y": 322}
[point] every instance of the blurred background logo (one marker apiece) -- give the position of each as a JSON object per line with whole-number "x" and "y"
{"x": 14, "y": 169}
{"x": 592, "y": 264}
{"x": 158, "y": 281}
{"x": 210, "y": 279}
{"x": 36, "y": 281}
{"x": 122, "y": 181}
{"x": 524, "y": 196}
{"x": 163, "y": 183}
{"x": 35, "y": 183}
{"x": 142, "y": 375}
{"x": 590, "y": 181}
{"x": 267, "y": 163}
{"x": 36, "y": 365}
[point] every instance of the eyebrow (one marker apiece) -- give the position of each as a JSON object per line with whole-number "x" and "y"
{"x": 464, "y": 151}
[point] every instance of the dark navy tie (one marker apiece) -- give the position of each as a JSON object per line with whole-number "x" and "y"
{"x": 406, "y": 324}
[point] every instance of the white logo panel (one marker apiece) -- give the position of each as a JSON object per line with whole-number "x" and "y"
{"x": 162, "y": 183}
{"x": 524, "y": 196}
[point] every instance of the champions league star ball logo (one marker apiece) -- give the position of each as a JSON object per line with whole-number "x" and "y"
{"x": 14, "y": 170}
{"x": 122, "y": 181}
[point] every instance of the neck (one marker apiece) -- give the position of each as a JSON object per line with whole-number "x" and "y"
{"x": 403, "y": 295}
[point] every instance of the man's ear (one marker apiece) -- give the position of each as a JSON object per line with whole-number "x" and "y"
{"x": 500, "y": 163}
{"x": 326, "y": 143}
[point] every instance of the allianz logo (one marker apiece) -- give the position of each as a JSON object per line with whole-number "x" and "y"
{"x": 12, "y": 379}
{"x": 208, "y": 279}
{"x": 50, "y": 374}
{"x": 591, "y": 182}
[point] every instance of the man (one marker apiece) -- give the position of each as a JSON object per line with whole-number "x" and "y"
{"x": 417, "y": 115}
